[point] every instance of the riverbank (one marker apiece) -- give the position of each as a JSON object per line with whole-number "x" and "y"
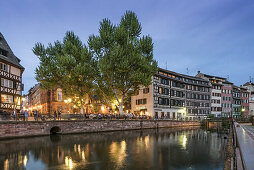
{"x": 16, "y": 129}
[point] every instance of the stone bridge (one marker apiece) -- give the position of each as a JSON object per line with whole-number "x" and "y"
{"x": 13, "y": 129}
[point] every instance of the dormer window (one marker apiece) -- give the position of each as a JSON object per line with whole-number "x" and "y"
{"x": 3, "y": 52}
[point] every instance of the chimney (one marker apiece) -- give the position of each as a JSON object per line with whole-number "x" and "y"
{"x": 198, "y": 72}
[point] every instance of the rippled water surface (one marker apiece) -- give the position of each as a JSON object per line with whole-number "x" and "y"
{"x": 148, "y": 149}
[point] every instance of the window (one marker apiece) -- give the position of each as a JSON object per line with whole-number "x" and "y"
{"x": 160, "y": 90}
{"x": 59, "y": 95}
{"x": 146, "y": 90}
{"x": 6, "y": 98}
{"x": 164, "y": 81}
{"x": 144, "y": 101}
{"x": 4, "y": 67}
{"x": 166, "y": 91}
{"x": 3, "y": 52}
{"x": 172, "y": 92}
{"x": 160, "y": 101}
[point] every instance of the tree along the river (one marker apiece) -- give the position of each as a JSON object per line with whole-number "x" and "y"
{"x": 68, "y": 65}
{"x": 125, "y": 58}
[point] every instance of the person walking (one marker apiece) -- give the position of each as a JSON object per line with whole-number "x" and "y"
{"x": 55, "y": 115}
{"x": 59, "y": 115}
{"x": 35, "y": 115}
{"x": 26, "y": 115}
{"x": 15, "y": 114}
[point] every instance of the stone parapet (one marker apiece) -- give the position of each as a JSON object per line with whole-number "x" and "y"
{"x": 33, "y": 128}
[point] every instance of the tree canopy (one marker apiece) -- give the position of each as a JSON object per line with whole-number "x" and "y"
{"x": 117, "y": 63}
{"x": 68, "y": 65}
{"x": 125, "y": 58}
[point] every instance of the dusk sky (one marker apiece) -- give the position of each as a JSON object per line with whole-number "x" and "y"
{"x": 213, "y": 36}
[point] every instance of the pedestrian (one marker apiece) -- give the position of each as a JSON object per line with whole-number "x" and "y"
{"x": 59, "y": 115}
{"x": 55, "y": 115}
{"x": 26, "y": 115}
{"x": 14, "y": 114}
{"x": 35, "y": 116}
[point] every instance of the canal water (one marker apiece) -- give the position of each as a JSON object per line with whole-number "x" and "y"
{"x": 166, "y": 148}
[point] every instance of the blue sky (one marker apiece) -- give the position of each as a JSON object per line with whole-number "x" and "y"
{"x": 213, "y": 36}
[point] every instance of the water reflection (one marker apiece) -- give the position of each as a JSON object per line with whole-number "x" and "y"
{"x": 148, "y": 149}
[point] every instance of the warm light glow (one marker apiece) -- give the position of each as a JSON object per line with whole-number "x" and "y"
{"x": 183, "y": 141}
{"x": 69, "y": 100}
{"x": 79, "y": 150}
{"x": 243, "y": 109}
{"x": 6, "y": 164}
{"x": 83, "y": 155}
{"x": 102, "y": 108}
{"x": 65, "y": 101}
{"x": 23, "y": 98}
{"x": 68, "y": 162}
{"x": 25, "y": 160}
{"x": 118, "y": 152}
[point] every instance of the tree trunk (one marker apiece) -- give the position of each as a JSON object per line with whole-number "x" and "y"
{"x": 121, "y": 109}
{"x": 81, "y": 109}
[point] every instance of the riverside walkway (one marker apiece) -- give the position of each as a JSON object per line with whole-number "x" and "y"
{"x": 245, "y": 137}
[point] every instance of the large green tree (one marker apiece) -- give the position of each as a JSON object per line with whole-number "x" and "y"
{"x": 68, "y": 65}
{"x": 125, "y": 58}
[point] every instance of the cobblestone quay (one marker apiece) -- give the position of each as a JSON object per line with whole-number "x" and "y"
{"x": 33, "y": 128}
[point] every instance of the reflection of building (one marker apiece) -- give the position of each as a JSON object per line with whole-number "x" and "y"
{"x": 11, "y": 78}
{"x": 48, "y": 101}
{"x": 174, "y": 96}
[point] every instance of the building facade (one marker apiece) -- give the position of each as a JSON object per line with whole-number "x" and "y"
{"x": 250, "y": 88}
{"x": 10, "y": 77}
{"x": 236, "y": 103}
{"x": 216, "y": 84}
{"x": 226, "y": 99}
{"x": 244, "y": 95}
{"x": 49, "y": 101}
{"x": 173, "y": 96}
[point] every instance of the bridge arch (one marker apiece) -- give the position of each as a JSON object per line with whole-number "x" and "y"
{"x": 55, "y": 130}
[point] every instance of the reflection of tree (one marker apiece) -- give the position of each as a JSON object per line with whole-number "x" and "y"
{"x": 151, "y": 149}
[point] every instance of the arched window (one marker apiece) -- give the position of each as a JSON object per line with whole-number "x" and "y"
{"x": 59, "y": 95}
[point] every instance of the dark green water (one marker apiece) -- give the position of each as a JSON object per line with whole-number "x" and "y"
{"x": 147, "y": 149}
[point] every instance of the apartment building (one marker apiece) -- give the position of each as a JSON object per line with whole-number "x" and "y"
{"x": 216, "y": 83}
{"x": 236, "y": 103}
{"x": 173, "y": 96}
{"x": 226, "y": 98}
{"x": 250, "y": 88}
{"x": 10, "y": 77}
{"x": 48, "y": 101}
{"x": 244, "y": 96}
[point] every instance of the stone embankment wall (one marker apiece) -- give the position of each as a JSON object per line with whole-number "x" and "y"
{"x": 33, "y": 128}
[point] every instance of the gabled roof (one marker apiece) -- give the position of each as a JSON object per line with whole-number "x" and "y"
{"x": 182, "y": 75}
{"x": 10, "y": 58}
{"x": 248, "y": 83}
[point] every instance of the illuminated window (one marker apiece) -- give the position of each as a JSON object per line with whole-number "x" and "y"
{"x": 6, "y": 98}
{"x": 59, "y": 94}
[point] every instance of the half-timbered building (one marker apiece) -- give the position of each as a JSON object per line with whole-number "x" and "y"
{"x": 10, "y": 78}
